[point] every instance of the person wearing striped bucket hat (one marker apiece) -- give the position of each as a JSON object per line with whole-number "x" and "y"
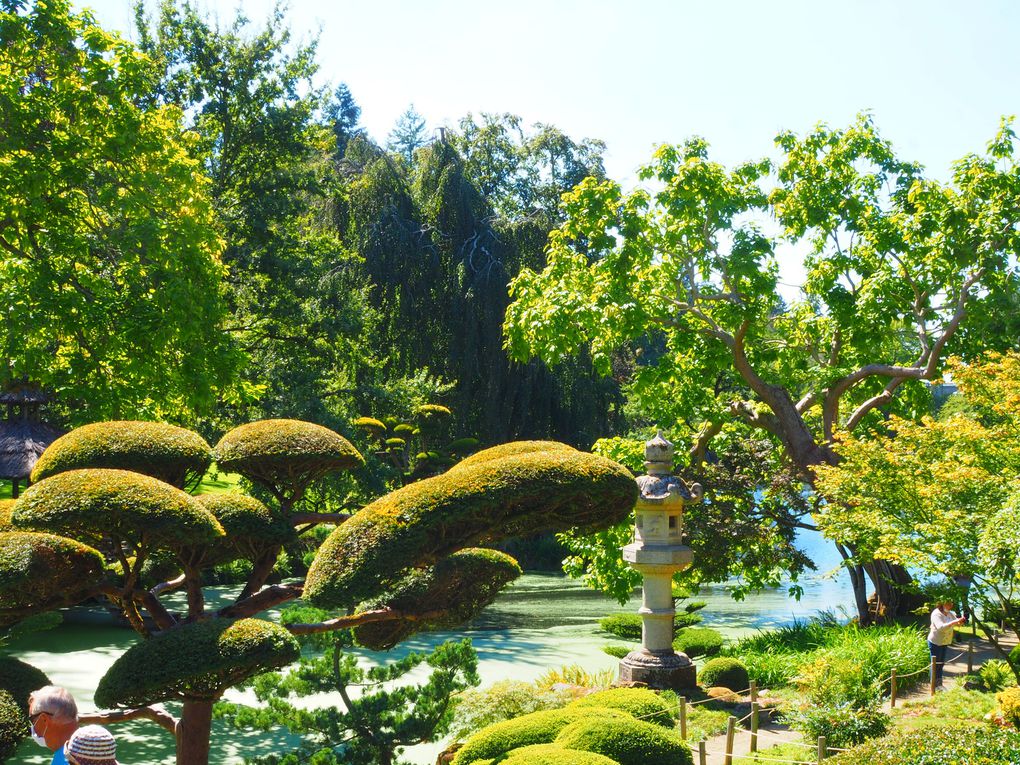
{"x": 91, "y": 745}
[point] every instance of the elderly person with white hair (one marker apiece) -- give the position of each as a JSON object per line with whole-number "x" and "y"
{"x": 54, "y": 718}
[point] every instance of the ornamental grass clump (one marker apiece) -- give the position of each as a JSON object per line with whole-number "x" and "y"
{"x": 174, "y": 455}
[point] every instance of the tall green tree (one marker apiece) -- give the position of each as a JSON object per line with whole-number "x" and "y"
{"x": 408, "y": 135}
{"x": 299, "y": 307}
{"x": 895, "y": 262}
{"x": 111, "y": 276}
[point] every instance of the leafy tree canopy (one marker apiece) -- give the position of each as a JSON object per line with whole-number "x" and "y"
{"x": 111, "y": 277}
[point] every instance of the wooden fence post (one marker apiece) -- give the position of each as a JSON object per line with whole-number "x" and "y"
{"x": 754, "y": 727}
{"x": 892, "y": 689}
{"x": 683, "y": 717}
{"x": 754, "y": 691}
{"x": 702, "y": 754}
{"x": 970, "y": 654}
{"x": 728, "y": 759}
{"x": 821, "y": 748}
{"x": 931, "y": 674}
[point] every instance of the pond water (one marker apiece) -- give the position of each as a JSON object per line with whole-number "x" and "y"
{"x": 541, "y": 622}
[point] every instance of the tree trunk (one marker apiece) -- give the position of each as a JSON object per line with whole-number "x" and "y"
{"x": 892, "y": 598}
{"x": 193, "y": 732}
{"x": 859, "y": 584}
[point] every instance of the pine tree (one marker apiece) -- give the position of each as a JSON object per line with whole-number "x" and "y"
{"x": 408, "y": 135}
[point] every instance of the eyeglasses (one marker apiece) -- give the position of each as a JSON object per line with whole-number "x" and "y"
{"x": 33, "y": 717}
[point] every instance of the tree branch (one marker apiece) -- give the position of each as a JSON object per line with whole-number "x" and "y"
{"x": 267, "y": 598}
{"x": 158, "y": 715}
{"x": 365, "y": 617}
{"x": 315, "y": 518}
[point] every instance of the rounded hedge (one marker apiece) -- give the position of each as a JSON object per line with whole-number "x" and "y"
{"x": 1009, "y": 705}
{"x": 699, "y": 641}
{"x": 13, "y": 725}
{"x": 724, "y": 672}
{"x": 530, "y": 493}
{"x": 535, "y": 728}
{"x": 951, "y": 745}
{"x": 119, "y": 505}
{"x": 6, "y": 508}
{"x": 460, "y": 585}
{"x": 628, "y": 742}
{"x": 642, "y": 703}
{"x": 174, "y": 455}
{"x": 197, "y": 661}
{"x": 553, "y": 754}
{"x": 249, "y": 526}
{"x": 285, "y": 455}
{"x": 19, "y": 680}
{"x": 514, "y": 449}
{"x": 41, "y": 571}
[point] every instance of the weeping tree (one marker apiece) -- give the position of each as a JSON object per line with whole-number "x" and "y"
{"x": 901, "y": 269}
{"x": 108, "y": 505}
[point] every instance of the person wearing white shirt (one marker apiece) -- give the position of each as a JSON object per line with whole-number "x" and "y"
{"x": 940, "y": 636}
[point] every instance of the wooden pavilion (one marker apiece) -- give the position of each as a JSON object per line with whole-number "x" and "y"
{"x": 23, "y": 435}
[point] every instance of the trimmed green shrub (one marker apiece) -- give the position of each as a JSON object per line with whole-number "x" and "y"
{"x": 724, "y": 672}
{"x": 618, "y": 651}
{"x": 535, "y": 728}
{"x": 460, "y": 585}
{"x": 513, "y": 449}
{"x": 200, "y": 660}
{"x": 626, "y": 626}
{"x": 19, "y": 680}
{"x": 462, "y": 446}
{"x": 6, "y": 508}
{"x": 642, "y": 703}
{"x": 698, "y": 641}
{"x": 628, "y": 742}
{"x": 433, "y": 411}
{"x": 174, "y": 455}
{"x": 249, "y": 526}
{"x": 1009, "y": 705}
{"x": 553, "y": 754}
{"x": 13, "y": 725}
{"x": 285, "y": 456}
{"x": 425, "y": 521}
{"x": 117, "y": 505}
{"x": 43, "y": 571}
{"x": 843, "y": 725}
{"x": 371, "y": 424}
{"x": 953, "y": 745}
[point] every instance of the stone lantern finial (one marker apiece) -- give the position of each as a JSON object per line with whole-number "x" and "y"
{"x": 658, "y": 455}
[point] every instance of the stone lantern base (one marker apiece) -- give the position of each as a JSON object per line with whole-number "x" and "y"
{"x": 663, "y": 670}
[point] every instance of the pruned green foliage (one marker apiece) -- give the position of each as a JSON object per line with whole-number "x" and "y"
{"x": 249, "y": 526}
{"x": 371, "y": 424}
{"x": 43, "y": 571}
{"x": 626, "y": 741}
{"x": 462, "y": 446}
{"x": 174, "y": 455}
{"x": 19, "y": 680}
{"x": 532, "y": 492}
{"x": 535, "y": 728}
{"x": 13, "y": 725}
{"x": 698, "y": 641}
{"x": 433, "y": 411}
{"x": 457, "y": 587}
{"x": 119, "y": 506}
{"x": 285, "y": 455}
{"x": 724, "y": 672}
{"x": 6, "y": 508}
{"x": 642, "y": 703}
{"x": 513, "y": 449}
{"x": 198, "y": 660}
{"x": 554, "y": 754}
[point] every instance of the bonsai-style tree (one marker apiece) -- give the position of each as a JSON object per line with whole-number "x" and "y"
{"x": 97, "y": 515}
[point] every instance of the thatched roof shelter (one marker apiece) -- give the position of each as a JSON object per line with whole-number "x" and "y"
{"x": 23, "y": 436}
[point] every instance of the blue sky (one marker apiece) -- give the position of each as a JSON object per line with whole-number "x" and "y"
{"x": 937, "y": 75}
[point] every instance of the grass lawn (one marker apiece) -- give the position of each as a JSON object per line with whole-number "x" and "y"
{"x": 212, "y": 482}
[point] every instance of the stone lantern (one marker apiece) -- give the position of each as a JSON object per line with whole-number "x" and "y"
{"x": 658, "y": 552}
